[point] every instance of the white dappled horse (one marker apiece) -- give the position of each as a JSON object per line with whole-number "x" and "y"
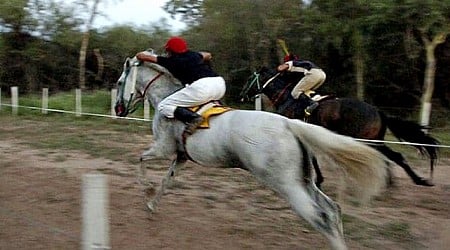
{"x": 274, "y": 149}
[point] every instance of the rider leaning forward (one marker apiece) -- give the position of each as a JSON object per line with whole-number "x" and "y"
{"x": 310, "y": 75}
{"x": 191, "y": 68}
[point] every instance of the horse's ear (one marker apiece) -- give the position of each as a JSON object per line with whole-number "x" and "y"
{"x": 127, "y": 63}
{"x": 151, "y": 51}
{"x": 262, "y": 69}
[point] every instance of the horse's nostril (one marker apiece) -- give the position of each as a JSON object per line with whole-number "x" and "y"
{"x": 119, "y": 110}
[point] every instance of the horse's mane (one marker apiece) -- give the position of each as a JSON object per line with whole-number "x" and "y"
{"x": 284, "y": 80}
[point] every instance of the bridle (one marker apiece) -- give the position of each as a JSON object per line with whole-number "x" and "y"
{"x": 131, "y": 105}
{"x": 260, "y": 88}
{"x": 254, "y": 81}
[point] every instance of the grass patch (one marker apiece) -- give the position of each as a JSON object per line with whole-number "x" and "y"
{"x": 98, "y": 137}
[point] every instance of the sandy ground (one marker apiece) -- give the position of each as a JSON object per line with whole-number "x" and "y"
{"x": 205, "y": 208}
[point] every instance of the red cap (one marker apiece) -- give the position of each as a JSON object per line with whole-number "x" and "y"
{"x": 176, "y": 45}
{"x": 290, "y": 57}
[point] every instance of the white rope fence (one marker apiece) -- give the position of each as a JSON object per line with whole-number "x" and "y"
{"x": 402, "y": 143}
{"x": 78, "y": 112}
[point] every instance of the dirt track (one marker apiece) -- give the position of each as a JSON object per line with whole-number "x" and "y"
{"x": 205, "y": 208}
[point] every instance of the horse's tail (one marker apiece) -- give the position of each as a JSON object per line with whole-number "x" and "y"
{"x": 411, "y": 132}
{"x": 366, "y": 166}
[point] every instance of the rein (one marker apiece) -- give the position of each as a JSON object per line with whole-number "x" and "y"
{"x": 150, "y": 82}
{"x": 133, "y": 84}
{"x": 260, "y": 89}
{"x": 277, "y": 98}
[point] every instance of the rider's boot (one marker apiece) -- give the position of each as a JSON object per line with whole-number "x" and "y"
{"x": 287, "y": 105}
{"x": 190, "y": 118}
{"x": 310, "y": 102}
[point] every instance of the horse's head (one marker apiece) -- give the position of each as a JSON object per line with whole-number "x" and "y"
{"x": 255, "y": 82}
{"x": 126, "y": 100}
{"x": 135, "y": 82}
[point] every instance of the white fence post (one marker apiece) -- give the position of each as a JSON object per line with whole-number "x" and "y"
{"x": 113, "y": 102}
{"x": 146, "y": 109}
{"x": 44, "y": 100}
{"x": 14, "y": 99}
{"x": 258, "y": 102}
{"x": 425, "y": 116}
{"x": 78, "y": 102}
{"x": 95, "y": 234}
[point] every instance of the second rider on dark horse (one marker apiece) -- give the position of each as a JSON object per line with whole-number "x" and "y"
{"x": 345, "y": 116}
{"x": 307, "y": 76}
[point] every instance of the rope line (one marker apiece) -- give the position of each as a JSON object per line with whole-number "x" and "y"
{"x": 400, "y": 142}
{"x": 74, "y": 112}
{"x": 146, "y": 120}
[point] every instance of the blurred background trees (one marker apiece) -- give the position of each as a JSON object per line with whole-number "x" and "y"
{"x": 378, "y": 51}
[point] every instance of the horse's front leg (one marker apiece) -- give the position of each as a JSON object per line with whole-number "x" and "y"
{"x": 155, "y": 152}
{"x": 151, "y": 205}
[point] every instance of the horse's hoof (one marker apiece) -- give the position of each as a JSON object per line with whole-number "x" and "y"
{"x": 151, "y": 207}
{"x": 424, "y": 182}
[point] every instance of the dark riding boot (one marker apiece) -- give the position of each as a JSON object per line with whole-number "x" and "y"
{"x": 311, "y": 104}
{"x": 287, "y": 107}
{"x": 191, "y": 119}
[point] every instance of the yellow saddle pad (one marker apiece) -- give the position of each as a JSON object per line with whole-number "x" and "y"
{"x": 208, "y": 110}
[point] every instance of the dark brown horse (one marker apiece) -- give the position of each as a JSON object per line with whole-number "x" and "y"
{"x": 345, "y": 116}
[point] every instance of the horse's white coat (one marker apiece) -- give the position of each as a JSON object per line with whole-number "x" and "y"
{"x": 273, "y": 148}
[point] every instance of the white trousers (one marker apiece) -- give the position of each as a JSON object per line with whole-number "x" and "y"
{"x": 199, "y": 92}
{"x": 312, "y": 80}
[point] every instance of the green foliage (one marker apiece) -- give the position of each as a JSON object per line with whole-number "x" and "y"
{"x": 13, "y": 13}
{"x": 41, "y": 48}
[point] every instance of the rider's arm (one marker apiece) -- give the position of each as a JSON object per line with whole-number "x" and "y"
{"x": 295, "y": 66}
{"x": 285, "y": 66}
{"x": 206, "y": 55}
{"x": 143, "y": 56}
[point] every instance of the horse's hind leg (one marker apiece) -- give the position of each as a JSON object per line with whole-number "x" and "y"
{"x": 319, "y": 210}
{"x": 319, "y": 176}
{"x": 400, "y": 160}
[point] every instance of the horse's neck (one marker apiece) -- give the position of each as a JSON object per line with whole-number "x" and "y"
{"x": 277, "y": 95}
{"x": 161, "y": 86}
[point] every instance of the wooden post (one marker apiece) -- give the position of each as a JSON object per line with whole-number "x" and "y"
{"x": 14, "y": 99}
{"x": 44, "y": 101}
{"x": 425, "y": 116}
{"x": 78, "y": 102}
{"x": 258, "y": 102}
{"x": 95, "y": 234}
{"x": 146, "y": 109}
{"x": 113, "y": 102}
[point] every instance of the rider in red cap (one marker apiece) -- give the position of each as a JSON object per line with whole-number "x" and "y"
{"x": 177, "y": 45}
{"x": 311, "y": 77}
{"x": 202, "y": 84}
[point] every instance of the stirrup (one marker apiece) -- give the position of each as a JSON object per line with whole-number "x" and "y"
{"x": 191, "y": 127}
{"x": 309, "y": 93}
{"x": 310, "y": 108}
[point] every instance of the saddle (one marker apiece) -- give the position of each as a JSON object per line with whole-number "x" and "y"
{"x": 316, "y": 97}
{"x": 208, "y": 110}
{"x": 302, "y": 107}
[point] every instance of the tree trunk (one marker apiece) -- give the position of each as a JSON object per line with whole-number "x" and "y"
{"x": 84, "y": 46}
{"x": 358, "y": 61}
{"x": 430, "y": 72}
{"x": 359, "y": 71}
{"x": 100, "y": 65}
